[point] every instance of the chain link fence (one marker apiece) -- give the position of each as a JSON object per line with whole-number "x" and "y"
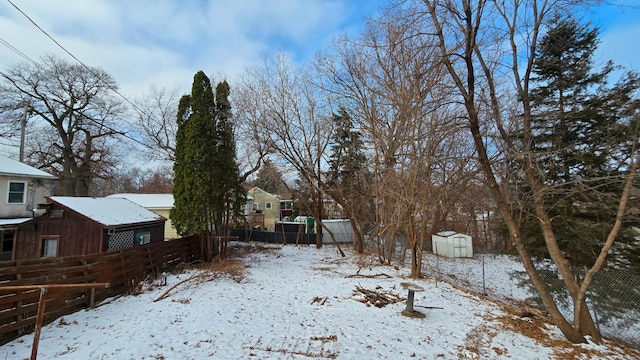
{"x": 614, "y": 295}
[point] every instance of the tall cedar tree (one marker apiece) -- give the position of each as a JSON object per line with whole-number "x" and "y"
{"x": 208, "y": 192}
{"x": 346, "y": 176}
{"x": 582, "y": 130}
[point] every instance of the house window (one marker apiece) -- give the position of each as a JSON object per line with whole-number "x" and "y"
{"x": 267, "y": 205}
{"x": 286, "y": 205}
{"x": 16, "y": 193}
{"x": 49, "y": 246}
{"x": 255, "y": 206}
{"x": 143, "y": 238}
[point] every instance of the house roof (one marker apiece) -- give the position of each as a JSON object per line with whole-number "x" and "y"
{"x": 257, "y": 189}
{"x": 108, "y": 211}
{"x": 10, "y": 222}
{"x": 10, "y": 167}
{"x": 149, "y": 201}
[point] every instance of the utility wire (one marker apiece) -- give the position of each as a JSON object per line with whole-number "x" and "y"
{"x": 115, "y": 90}
{"x": 15, "y": 50}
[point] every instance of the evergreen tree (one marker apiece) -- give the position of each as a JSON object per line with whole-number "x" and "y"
{"x": 582, "y": 129}
{"x": 347, "y": 172}
{"x": 208, "y": 191}
{"x": 269, "y": 178}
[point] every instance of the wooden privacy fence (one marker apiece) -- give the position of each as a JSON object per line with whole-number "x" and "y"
{"x": 122, "y": 269}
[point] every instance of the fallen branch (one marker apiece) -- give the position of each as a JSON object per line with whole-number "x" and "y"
{"x": 376, "y": 298}
{"x": 166, "y": 292}
{"x": 320, "y": 300}
{"x": 370, "y": 276}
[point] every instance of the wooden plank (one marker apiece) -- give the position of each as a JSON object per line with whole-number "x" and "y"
{"x": 24, "y": 311}
{"x": 120, "y": 268}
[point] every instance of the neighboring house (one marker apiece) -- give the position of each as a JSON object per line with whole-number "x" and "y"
{"x": 266, "y": 204}
{"x": 160, "y": 204}
{"x": 22, "y": 188}
{"x": 83, "y": 225}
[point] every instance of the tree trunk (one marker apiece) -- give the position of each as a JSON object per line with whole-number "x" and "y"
{"x": 358, "y": 239}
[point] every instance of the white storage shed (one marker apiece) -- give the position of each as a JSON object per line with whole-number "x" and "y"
{"x": 341, "y": 229}
{"x": 452, "y": 244}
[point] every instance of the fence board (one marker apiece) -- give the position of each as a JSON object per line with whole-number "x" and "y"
{"x": 123, "y": 269}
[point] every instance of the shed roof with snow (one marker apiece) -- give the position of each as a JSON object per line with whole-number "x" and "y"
{"x": 149, "y": 201}
{"x": 108, "y": 211}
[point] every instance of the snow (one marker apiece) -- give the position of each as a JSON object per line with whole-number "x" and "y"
{"x": 10, "y": 167}
{"x": 16, "y": 221}
{"x": 108, "y": 211}
{"x": 268, "y": 312}
{"x": 149, "y": 201}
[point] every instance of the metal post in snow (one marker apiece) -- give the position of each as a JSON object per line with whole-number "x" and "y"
{"x": 435, "y": 249}
{"x": 484, "y": 288}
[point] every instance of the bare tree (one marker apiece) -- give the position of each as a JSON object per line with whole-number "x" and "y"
{"x": 76, "y": 117}
{"x": 285, "y": 111}
{"x": 393, "y": 85}
{"x": 157, "y": 124}
{"x": 135, "y": 179}
{"x": 480, "y": 43}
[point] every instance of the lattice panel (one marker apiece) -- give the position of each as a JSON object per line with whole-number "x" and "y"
{"x": 121, "y": 240}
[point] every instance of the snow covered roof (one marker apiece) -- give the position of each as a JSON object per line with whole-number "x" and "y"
{"x": 149, "y": 201}
{"x": 108, "y": 211}
{"x": 16, "y": 221}
{"x": 10, "y": 167}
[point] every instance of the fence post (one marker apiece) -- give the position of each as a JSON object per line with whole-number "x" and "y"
{"x": 39, "y": 320}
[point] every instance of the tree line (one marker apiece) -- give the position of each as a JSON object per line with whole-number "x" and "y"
{"x": 483, "y": 117}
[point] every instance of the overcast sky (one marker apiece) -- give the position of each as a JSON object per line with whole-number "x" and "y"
{"x": 164, "y": 42}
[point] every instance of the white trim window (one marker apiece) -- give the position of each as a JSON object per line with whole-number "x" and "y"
{"x": 267, "y": 205}
{"x": 49, "y": 247}
{"x": 143, "y": 238}
{"x": 17, "y": 192}
{"x": 256, "y": 206}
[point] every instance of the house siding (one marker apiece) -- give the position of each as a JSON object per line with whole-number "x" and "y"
{"x": 272, "y": 215}
{"x": 170, "y": 232}
{"x": 36, "y": 191}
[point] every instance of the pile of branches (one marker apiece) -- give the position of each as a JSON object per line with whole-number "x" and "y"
{"x": 378, "y": 297}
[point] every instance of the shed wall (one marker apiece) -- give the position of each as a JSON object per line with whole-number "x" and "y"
{"x": 452, "y": 246}
{"x": 78, "y": 235}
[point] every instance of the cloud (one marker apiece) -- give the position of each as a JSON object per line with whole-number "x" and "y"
{"x": 144, "y": 42}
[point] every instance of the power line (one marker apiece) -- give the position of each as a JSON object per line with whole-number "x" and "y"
{"x": 15, "y": 50}
{"x": 93, "y": 73}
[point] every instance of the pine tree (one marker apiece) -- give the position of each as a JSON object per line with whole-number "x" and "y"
{"x": 347, "y": 172}
{"x": 269, "y": 178}
{"x": 581, "y": 137}
{"x": 208, "y": 193}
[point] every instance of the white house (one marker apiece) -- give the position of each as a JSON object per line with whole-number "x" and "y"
{"x": 22, "y": 188}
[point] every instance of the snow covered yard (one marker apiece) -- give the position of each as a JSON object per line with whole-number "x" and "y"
{"x": 289, "y": 302}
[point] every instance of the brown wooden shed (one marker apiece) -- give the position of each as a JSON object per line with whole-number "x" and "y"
{"x": 84, "y": 225}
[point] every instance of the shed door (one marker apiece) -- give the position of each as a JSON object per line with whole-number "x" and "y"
{"x": 458, "y": 246}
